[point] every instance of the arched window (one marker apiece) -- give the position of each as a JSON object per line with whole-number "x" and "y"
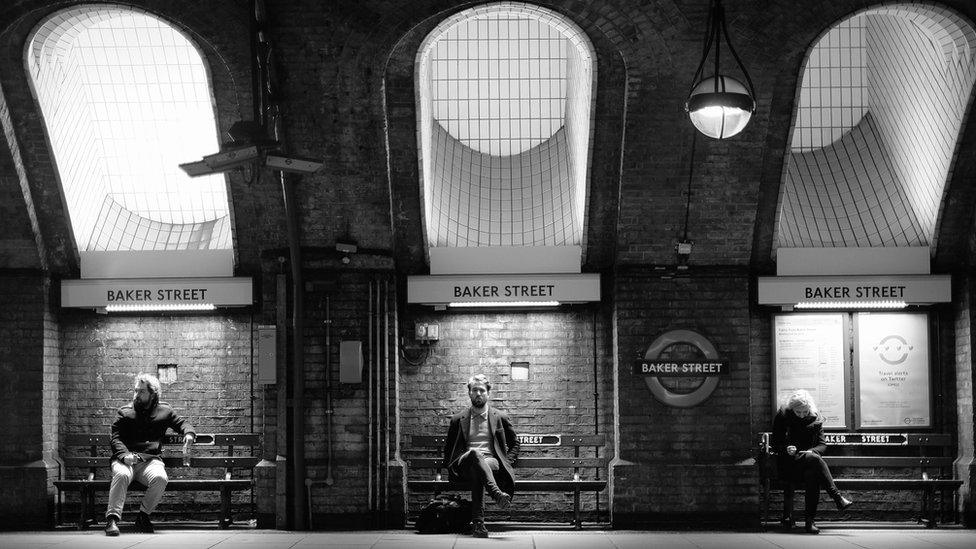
{"x": 125, "y": 97}
{"x": 879, "y": 113}
{"x": 504, "y": 123}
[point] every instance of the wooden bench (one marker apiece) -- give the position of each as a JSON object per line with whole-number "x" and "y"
{"x": 574, "y": 483}
{"x": 208, "y": 453}
{"x": 925, "y": 456}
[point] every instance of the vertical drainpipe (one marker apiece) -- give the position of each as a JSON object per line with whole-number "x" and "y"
{"x": 265, "y": 105}
{"x": 298, "y": 352}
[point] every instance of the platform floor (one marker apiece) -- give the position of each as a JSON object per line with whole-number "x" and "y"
{"x": 831, "y": 537}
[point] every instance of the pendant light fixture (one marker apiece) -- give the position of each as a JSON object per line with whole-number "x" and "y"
{"x": 719, "y": 106}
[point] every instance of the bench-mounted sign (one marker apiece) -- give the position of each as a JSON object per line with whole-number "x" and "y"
{"x": 866, "y": 439}
{"x": 539, "y": 440}
{"x": 652, "y": 368}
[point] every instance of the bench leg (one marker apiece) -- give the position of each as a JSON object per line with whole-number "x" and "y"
{"x": 83, "y": 515}
{"x": 225, "y": 518}
{"x": 764, "y": 504}
{"x": 576, "y": 509}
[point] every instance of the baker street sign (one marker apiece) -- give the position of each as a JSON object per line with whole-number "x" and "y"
{"x": 681, "y": 368}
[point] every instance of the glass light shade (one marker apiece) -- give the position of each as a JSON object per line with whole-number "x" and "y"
{"x": 720, "y": 106}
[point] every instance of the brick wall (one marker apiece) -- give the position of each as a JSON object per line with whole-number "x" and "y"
{"x": 101, "y": 354}
{"x": 965, "y": 468}
{"x": 685, "y": 465}
{"x": 559, "y": 396}
{"x": 28, "y": 400}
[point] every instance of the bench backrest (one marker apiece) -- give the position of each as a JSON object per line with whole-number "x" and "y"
{"x": 531, "y": 446}
{"x": 230, "y": 450}
{"x": 924, "y": 451}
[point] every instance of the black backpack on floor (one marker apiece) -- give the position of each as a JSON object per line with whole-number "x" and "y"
{"x": 444, "y": 515}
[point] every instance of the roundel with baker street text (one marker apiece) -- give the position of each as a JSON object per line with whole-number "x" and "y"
{"x": 657, "y": 366}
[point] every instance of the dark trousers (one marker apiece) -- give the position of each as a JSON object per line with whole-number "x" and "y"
{"x": 478, "y": 469}
{"x": 810, "y": 470}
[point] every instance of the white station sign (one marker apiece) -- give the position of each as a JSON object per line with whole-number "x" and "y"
{"x": 564, "y": 288}
{"x": 789, "y": 290}
{"x": 98, "y": 293}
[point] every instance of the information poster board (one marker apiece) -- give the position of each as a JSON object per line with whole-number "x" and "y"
{"x": 892, "y": 363}
{"x": 809, "y": 352}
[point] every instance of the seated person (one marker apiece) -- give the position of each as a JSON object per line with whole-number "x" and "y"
{"x": 137, "y": 441}
{"x": 482, "y": 448}
{"x": 798, "y": 440}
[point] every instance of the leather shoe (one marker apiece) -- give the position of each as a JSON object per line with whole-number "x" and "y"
{"x": 503, "y": 500}
{"x": 811, "y": 528}
{"x": 112, "y": 527}
{"x": 478, "y": 530}
{"x": 842, "y": 502}
{"x": 143, "y": 524}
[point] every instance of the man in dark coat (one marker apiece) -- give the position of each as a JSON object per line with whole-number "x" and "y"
{"x": 137, "y": 441}
{"x": 482, "y": 448}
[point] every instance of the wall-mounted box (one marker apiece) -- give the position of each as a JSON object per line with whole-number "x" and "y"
{"x": 267, "y": 355}
{"x": 350, "y": 362}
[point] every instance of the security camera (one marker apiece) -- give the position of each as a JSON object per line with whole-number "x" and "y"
{"x": 223, "y": 161}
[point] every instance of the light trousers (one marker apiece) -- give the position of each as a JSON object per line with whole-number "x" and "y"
{"x": 150, "y": 473}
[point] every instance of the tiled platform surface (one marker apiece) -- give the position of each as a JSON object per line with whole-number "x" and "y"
{"x": 832, "y": 537}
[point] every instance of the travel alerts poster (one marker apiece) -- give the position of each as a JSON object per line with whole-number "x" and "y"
{"x": 893, "y": 370}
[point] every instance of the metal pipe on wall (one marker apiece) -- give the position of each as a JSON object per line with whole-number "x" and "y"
{"x": 596, "y": 402}
{"x": 386, "y": 396}
{"x": 267, "y": 105}
{"x": 329, "y": 412}
{"x": 376, "y": 403}
{"x": 369, "y": 402}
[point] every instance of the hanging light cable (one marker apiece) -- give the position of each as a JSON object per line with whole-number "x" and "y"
{"x": 719, "y": 106}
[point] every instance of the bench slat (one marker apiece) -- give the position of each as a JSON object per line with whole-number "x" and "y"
{"x": 426, "y": 441}
{"x": 169, "y": 461}
{"x": 520, "y": 485}
{"x": 202, "y": 439}
{"x": 173, "y": 484}
{"x": 895, "y": 483}
{"x": 911, "y": 439}
{"x": 887, "y": 461}
{"x": 559, "y": 463}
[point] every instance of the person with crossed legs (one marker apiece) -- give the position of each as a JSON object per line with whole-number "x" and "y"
{"x": 482, "y": 448}
{"x": 798, "y": 440}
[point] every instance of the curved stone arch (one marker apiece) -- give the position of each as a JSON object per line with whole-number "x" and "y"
{"x": 875, "y": 213}
{"x": 224, "y": 49}
{"x": 395, "y": 81}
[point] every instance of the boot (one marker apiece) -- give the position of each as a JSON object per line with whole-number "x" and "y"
{"x": 143, "y": 524}
{"x": 112, "y": 526}
{"x": 502, "y": 499}
{"x": 787, "y": 520}
{"x": 811, "y": 528}
{"x": 841, "y": 502}
{"x": 478, "y": 529}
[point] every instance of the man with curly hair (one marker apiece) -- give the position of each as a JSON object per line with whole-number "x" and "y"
{"x": 137, "y": 441}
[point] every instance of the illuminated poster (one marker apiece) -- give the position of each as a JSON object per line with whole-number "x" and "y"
{"x": 892, "y": 357}
{"x": 809, "y": 353}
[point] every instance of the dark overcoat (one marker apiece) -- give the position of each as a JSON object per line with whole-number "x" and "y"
{"x": 806, "y": 433}
{"x": 504, "y": 445}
